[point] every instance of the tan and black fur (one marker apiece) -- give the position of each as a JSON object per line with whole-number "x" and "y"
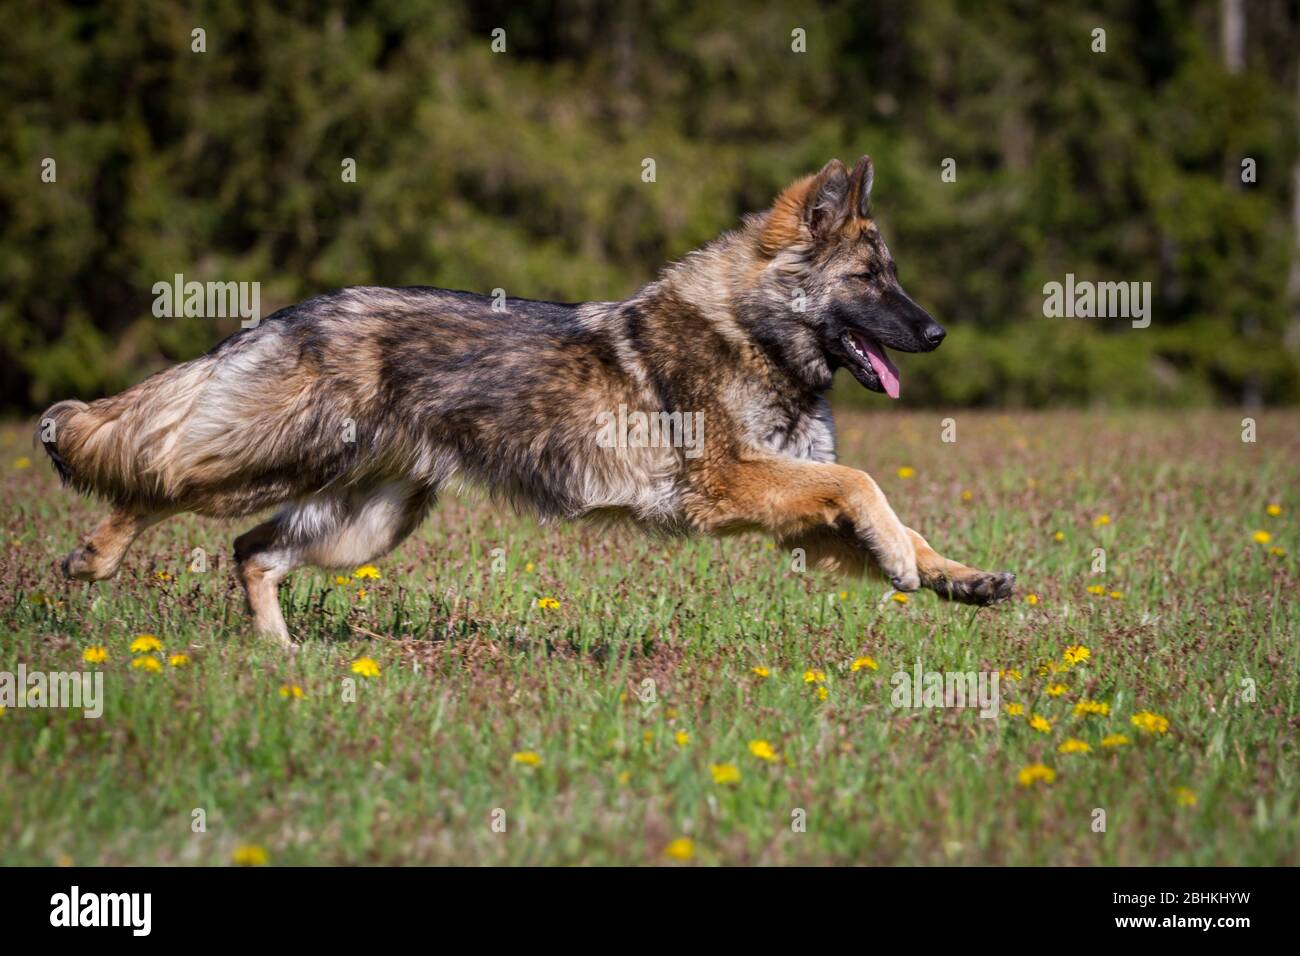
{"x": 431, "y": 385}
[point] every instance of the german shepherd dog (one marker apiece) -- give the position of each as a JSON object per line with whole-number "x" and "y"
{"x": 348, "y": 412}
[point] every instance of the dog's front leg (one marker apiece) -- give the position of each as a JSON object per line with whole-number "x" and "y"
{"x": 827, "y": 551}
{"x": 789, "y": 498}
{"x": 955, "y": 581}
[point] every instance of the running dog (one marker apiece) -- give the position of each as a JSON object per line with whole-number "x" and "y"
{"x": 348, "y": 412}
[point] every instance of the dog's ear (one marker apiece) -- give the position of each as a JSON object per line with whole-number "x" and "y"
{"x": 827, "y": 206}
{"x": 862, "y": 176}
{"x": 812, "y": 207}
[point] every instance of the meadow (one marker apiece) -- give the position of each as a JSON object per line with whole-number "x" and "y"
{"x": 495, "y": 692}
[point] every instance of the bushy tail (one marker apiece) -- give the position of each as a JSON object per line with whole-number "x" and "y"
{"x": 117, "y": 447}
{"x": 87, "y": 448}
{"x": 51, "y": 427}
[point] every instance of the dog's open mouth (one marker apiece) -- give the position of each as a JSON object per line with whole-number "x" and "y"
{"x": 874, "y": 369}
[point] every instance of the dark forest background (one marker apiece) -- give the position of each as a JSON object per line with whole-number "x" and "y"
{"x": 522, "y": 170}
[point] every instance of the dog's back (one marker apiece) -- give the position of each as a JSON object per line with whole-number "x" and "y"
{"x": 363, "y": 385}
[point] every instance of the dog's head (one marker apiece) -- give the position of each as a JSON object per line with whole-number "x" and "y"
{"x": 828, "y": 256}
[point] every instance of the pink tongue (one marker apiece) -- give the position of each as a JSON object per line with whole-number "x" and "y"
{"x": 884, "y": 368}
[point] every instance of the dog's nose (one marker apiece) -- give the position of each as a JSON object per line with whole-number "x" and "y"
{"x": 934, "y": 333}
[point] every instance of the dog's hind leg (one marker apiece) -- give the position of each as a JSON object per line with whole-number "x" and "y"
{"x": 329, "y": 531}
{"x": 262, "y": 559}
{"x": 101, "y": 552}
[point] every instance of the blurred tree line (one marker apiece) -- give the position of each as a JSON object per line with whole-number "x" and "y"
{"x": 522, "y": 169}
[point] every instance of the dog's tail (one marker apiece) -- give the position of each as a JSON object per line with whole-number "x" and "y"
{"x": 52, "y": 425}
{"x": 113, "y": 447}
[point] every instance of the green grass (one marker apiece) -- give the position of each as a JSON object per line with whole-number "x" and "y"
{"x": 474, "y": 671}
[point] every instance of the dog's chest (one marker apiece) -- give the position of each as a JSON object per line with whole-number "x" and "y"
{"x": 798, "y": 433}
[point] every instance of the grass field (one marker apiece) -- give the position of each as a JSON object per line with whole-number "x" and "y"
{"x": 494, "y": 704}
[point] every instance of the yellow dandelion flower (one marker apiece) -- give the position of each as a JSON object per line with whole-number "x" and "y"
{"x": 342, "y": 580}
{"x": 683, "y": 848}
{"x": 899, "y": 597}
{"x": 23, "y": 462}
{"x": 1073, "y": 745}
{"x": 1059, "y": 536}
{"x": 725, "y": 773}
{"x": 162, "y": 576}
{"x": 95, "y": 655}
{"x": 681, "y": 738}
{"x": 1085, "y": 707}
{"x": 966, "y": 496}
{"x": 1150, "y": 723}
{"x": 761, "y": 671}
{"x": 844, "y": 595}
{"x": 1262, "y": 537}
{"x": 762, "y": 750}
{"x": 648, "y": 737}
{"x": 145, "y": 644}
{"x": 862, "y": 662}
{"x": 1040, "y": 724}
{"x": 1096, "y": 589}
{"x": 1015, "y": 710}
{"x": 1277, "y": 552}
{"x": 1009, "y": 673}
{"x": 361, "y": 594}
{"x": 291, "y": 692}
{"x": 1116, "y": 595}
{"x": 1115, "y": 740}
{"x": 822, "y": 693}
{"x": 251, "y": 855}
{"x": 1185, "y": 796}
{"x": 529, "y": 568}
{"x": 1031, "y": 599}
{"x": 1075, "y": 654}
{"x": 907, "y": 471}
{"x": 1036, "y": 773}
{"x": 367, "y": 572}
{"x": 178, "y": 660}
{"x": 528, "y": 758}
{"x": 366, "y": 667}
{"x": 813, "y": 676}
{"x": 1101, "y": 521}
{"x": 548, "y": 603}
{"x": 1274, "y": 510}
{"x": 1055, "y": 690}
{"x": 150, "y": 664}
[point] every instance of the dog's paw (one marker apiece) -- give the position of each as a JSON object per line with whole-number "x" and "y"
{"x": 907, "y": 581}
{"x": 84, "y": 564}
{"x": 982, "y": 588}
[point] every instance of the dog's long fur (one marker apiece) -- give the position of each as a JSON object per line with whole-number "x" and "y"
{"x": 351, "y": 410}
